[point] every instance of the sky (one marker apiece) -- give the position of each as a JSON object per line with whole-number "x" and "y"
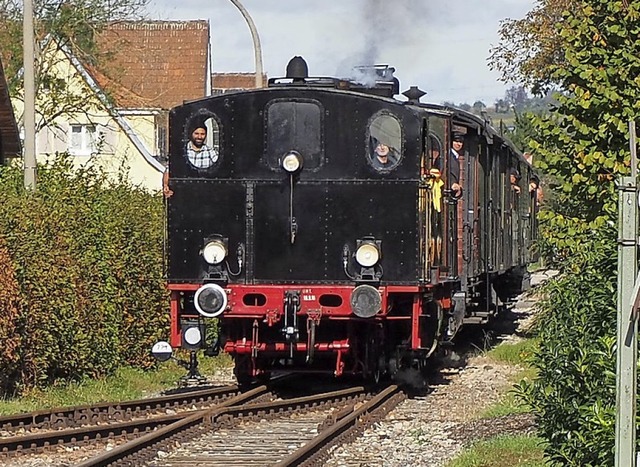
{"x": 441, "y": 46}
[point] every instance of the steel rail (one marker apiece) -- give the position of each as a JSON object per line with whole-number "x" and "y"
{"x": 84, "y": 414}
{"x": 131, "y": 452}
{"x": 347, "y": 422}
{"x": 150, "y": 439}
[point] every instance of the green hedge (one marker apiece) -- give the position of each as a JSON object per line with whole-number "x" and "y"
{"x": 574, "y": 394}
{"x": 81, "y": 280}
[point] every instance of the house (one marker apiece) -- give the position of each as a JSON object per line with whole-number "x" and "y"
{"x": 115, "y": 111}
{"x": 9, "y": 136}
{"x": 226, "y": 82}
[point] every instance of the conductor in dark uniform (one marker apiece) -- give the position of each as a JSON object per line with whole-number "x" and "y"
{"x": 452, "y": 175}
{"x": 454, "y": 163}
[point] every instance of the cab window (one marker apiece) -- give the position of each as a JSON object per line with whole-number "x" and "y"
{"x": 294, "y": 127}
{"x": 202, "y": 146}
{"x": 385, "y": 142}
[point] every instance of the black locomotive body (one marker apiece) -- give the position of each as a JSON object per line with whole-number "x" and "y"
{"x": 307, "y": 254}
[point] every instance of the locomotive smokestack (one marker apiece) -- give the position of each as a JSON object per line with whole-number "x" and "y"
{"x": 297, "y": 69}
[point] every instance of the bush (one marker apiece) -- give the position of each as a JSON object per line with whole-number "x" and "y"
{"x": 574, "y": 394}
{"x": 82, "y": 286}
{"x": 582, "y": 147}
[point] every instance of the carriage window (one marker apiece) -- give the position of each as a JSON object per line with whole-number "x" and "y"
{"x": 294, "y": 126}
{"x": 385, "y": 142}
{"x": 435, "y": 196}
{"x": 435, "y": 149}
{"x": 202, "y": 149}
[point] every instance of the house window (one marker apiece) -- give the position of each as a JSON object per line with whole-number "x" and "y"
{"x": 83, "y": 140}
{"x": 162, "y": 144}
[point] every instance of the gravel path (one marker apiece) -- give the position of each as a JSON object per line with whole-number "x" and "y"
{"x": 428, "y": 431}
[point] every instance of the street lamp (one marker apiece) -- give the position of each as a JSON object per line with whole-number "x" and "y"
{"x": 29, "y": 118}
{"x": 257, "y": 50}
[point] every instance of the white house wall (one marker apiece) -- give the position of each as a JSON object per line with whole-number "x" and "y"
{"x": 117, "y": 151}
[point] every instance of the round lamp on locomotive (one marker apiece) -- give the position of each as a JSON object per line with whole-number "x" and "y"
{"x": 214, "y": 252}
{"x": 368, "y": 254}
{"x": 292, "y": 161}
{"x": 210, "y": 300}
{"x": 365, "y": 301}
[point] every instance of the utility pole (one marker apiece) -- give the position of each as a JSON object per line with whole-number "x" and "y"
{"x": 29, "y": 116}
{"x": 628, "y": 305}
{"x": 257, "y": 49}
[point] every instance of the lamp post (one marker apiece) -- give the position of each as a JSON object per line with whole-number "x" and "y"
{"x": 257, "y": 49}
{"x": 29, "y": 117}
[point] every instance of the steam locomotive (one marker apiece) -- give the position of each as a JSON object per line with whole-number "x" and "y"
{"x": 296, "y": 248}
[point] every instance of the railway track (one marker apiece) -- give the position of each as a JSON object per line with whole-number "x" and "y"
{"x": 36, "y": 432}
{"x": 144, "y": 431}
{"x": 296, "y": 431}
{"x": 212, "y": 426}
{"x": 70, "y": 417}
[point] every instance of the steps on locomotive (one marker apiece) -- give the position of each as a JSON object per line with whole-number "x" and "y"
{"x": 477, "y": 318}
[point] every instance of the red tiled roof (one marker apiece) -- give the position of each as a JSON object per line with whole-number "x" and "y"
{"x": 9, "y": 136}
{"x": 153, "y": 64}
{"x": 227, "y": 81}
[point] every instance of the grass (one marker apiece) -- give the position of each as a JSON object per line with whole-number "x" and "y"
{"x": 503, "y": 451}
{"x": 125, "y": 384}
{"x": 518, "y": 353}
{"x": 508, "y": 405}
{"x": 507, "y": 451}
{"x": 512, "y": 354}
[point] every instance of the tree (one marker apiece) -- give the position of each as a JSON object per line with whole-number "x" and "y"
{"x": 582, "y": 145}
{"x": 479, "y": 106}
{"x": 531, "y": 46}
{"x": 73, "y": 22}
{"x": 501, "y": 106}
{"x": 516, "y": 96}
{"x": 72, "y": 25}
{"x": 584, "y": 141}
{"x": 523, "y": 131}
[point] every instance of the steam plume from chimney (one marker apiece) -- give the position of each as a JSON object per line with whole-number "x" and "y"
{"x": 387, "y": 28}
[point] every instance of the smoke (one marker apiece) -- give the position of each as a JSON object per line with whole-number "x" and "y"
{"x": 377, "y": 15}
{"x": 365, "y": 76}
{"x": 388, "y": 29}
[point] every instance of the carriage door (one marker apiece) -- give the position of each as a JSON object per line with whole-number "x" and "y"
{"x": 533, "y": 219}
{"x": 491, "y": 165}
{"x": 471, "y": 213}
{"x": 515, "y": 196}
{"x": 435, "y": 156}
{"x": 504, "y": 220}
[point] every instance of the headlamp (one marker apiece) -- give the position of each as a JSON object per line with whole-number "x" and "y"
{"x": 292, "y": 162}
{"x": 210, "y": 300}
{"x": 214, "y": 252}
{"x": 367, "y": 254}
